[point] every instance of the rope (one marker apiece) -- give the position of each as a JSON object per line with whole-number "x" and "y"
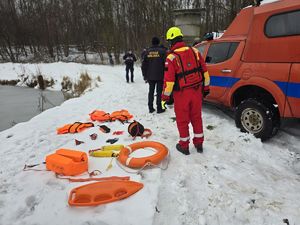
{"x": 29, "y": 167}
{"x": 92, "y": 178}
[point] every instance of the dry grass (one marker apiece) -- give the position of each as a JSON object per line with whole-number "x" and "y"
{"x": 66, "y": 84}
{"x": 9, "y": 82}
{"x": 83, "y": 84}
{"x": 71, "y": 90}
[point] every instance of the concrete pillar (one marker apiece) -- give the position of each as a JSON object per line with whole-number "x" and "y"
{"x": 189, "y": 21}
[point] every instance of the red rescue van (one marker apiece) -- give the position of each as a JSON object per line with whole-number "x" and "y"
{"x": 255, "y": 66}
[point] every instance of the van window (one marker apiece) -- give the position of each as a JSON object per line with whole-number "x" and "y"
{"x": 201, "y": 49}
{"x": 220, "y": 52}
{"x": 285, "y": 24}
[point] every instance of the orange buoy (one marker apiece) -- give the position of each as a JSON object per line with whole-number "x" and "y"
{"x": 67, "y": 162}
{"x": 103, "y": 192}
{"x": 126, "y": 160}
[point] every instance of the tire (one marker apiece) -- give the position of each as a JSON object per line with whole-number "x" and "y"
{"x": 260, "y": 119}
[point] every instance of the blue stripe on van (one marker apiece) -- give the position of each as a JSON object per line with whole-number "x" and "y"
{"x": 223, "y": 81}
{"x": 290, "y": 89}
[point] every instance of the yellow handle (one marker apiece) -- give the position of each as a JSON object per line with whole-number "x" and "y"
{"x": 112, "y": 147}
{"x": 102, "y": 153}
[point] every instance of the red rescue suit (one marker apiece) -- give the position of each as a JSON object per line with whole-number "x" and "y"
{"x": 186, "y": 75}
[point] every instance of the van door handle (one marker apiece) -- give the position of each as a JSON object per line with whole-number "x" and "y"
{"x": 226, "y": 71}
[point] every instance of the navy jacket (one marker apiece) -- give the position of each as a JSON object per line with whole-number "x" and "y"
{"x": 153, "y": 63}
{"x": 129, "y": 59}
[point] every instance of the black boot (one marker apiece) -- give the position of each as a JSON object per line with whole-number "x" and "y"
{"x": 184, "y": 151}
{"x": 151, "y": 110}
{"x": 161, "y": 110}
{"x": 199, "y": 148}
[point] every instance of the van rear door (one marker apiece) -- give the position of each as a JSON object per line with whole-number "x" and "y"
{"x": 293, "y": 90}
{"x": 223, "y": 60}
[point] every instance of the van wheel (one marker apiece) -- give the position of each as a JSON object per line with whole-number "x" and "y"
{"x": 257, "y": 118}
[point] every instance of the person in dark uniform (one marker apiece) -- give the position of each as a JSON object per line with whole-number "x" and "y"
{"x": 111, "y": 60}
{"x": 129, "y": 59}
{"x": 153, "y": 73}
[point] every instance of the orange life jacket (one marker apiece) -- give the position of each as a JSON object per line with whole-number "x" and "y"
{"x": 122, "y": 115}
{"x": 100, "y": 116}
{"x": 73, "y": 128}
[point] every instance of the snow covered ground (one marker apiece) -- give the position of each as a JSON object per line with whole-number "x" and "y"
{"x": 237, "y": 180}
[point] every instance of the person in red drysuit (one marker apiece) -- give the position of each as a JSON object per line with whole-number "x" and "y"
{"x": 186, "y": 75}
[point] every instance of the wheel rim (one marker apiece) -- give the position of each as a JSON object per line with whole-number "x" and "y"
{"x": 252, "y": 120}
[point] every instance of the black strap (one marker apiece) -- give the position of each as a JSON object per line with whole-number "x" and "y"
{"x": 78, "y": 125}
{"x": 74, "y": 124}
{"x": 181, "y": 65}
{"x": 198, "y": 69}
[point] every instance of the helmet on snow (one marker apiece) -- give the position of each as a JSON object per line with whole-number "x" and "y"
{"x": 173, "y": 33}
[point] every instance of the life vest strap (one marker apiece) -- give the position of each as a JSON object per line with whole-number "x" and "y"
{"x": 182, "y": 74}
{"x": 201, "y": 71}
{"x": 76, "y": 128}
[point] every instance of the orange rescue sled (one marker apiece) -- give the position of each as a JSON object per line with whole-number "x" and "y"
{"x": 103, "y": 192}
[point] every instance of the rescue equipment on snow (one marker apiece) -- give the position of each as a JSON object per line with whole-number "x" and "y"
{"x": 77, "y": 142}
{"x": 92, "y": 178}
{"x": 191, "y": 74}
{"x": 101, "y": 116}
{"x": 137, "y": 129}
{"x": 67, "y": 162}
{"x": 104, "y": 128}
{"x": 103, "y": 192}
{"x": 106, "y": 148}
{"x": 125, "y": 159}
{"x": 112, "y": 141}
{"x": 109, "y": 165}
{"x": 118, "y": 132}
{"x": 122, "y": 115}
{"x": 107, "y": 153}
{"x": 93, "y": 136}
{"x": 73, "y": 128}
{"x": 112, "y": 147}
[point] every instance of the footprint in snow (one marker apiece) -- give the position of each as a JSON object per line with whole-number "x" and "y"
{"x": 2, "y": 204}
{"x": 56, "y": 184}
{"x": 97, "y": 222}
{"x": 31, "y": 202}
{"x": 24, "y": 211}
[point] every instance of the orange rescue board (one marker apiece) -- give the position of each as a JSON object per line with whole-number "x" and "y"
{"x": 103, "y": 192}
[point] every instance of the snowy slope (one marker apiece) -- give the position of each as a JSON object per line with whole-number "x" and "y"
{"x": 238, "y": 180}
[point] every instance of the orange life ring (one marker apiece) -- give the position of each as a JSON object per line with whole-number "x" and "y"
{"x": 126, "y": 160}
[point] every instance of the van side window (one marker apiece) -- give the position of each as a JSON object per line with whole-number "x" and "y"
{"x": 285, "y": 24}
{"x": 201, "y": 49}
{"x": 220, "y": 52}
